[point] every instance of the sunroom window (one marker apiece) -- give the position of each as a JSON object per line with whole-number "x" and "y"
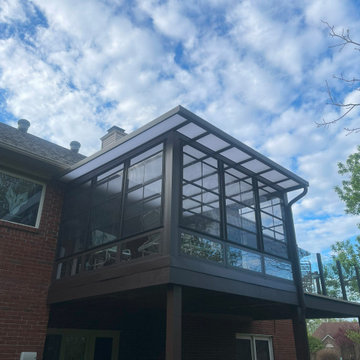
{"x": 112, "y": 206}
{"x": 20, "y": 199}
{"x": 230, "y": 217}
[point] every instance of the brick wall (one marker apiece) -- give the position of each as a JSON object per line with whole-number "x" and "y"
{"x": 215, "y": 339}
{"x": 26, "y": 262}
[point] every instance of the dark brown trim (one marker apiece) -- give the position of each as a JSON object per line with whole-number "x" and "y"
{"x": 173, "y": 323}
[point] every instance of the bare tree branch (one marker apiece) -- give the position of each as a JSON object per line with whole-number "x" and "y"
{"x": 353, "y": 80}
{"x": 344, "y": 36}
{"x": 345, "y": 39}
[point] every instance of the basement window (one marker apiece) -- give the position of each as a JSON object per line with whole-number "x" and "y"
{"x": 20, "y": 199}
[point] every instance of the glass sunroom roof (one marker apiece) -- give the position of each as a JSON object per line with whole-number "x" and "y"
{"x": 205, "y": 137}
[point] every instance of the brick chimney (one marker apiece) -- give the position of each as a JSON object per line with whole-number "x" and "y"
{"x": 113, "y": 134}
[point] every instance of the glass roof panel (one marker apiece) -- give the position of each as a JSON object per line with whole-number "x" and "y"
{"x": 269, "y": 189}
{"x": 273, "y": 175}
{"x": 211, "y": 161}
{"x": 191, "y": 130}
{"x": 146, "y": 154}
{"x": 132, "y": 142}
{"x": 288, "y": 184}
{"x": 193, "y": 152}
{"x": 236, "y": 155}
{"x": 236, "y": 173}
{"x": 255, "y": 166}
{"x": 213, "y": 142}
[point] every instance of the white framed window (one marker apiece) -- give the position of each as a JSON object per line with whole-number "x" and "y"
{"x": 21, "y": 199}
{"x": 254, "y": 347}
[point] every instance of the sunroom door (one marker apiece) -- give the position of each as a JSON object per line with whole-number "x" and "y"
{"x": 66, "y": 344}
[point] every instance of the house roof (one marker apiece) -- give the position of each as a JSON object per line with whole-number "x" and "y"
{"x": 204, "y": 135}
{"x": 32, "y": 146}
{"x": 332, "y": 328}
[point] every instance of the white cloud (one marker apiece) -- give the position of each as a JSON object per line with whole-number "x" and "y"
{"x": 255, "y": 69}
{"x": 11, "y": 10}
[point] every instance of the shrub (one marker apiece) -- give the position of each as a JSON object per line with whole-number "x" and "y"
{"x": 327, "y": 354}
{"x": 315, "y": 344}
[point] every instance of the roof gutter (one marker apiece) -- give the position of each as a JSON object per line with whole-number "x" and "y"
{"x": 299, "y": 320}
{"x": 297, "y": 198}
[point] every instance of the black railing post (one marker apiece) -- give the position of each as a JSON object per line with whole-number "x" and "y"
{"x": 357, "y": 277}
{"x": 321, "y": 272}
{"x": 341, "y": 277}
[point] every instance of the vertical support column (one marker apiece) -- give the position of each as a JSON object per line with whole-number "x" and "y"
{"x": 174, "y": 323}
{"x": 300, "y": 336}
{"x": 171, "y": 198}
{"x": 299, "y": 320}
{"x": 321, "y": 272}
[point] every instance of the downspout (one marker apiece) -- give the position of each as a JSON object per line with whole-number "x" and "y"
{"x": 299, "y": 322}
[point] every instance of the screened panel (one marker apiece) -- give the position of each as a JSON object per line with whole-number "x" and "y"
{"x": 200, "y": 192}
{"x": 75, "y": 224}
{"x": 240, "y": 209}
{"x": 272, "y": 223}
{"x": 106, "y": 207}
{"x": 98, "y": 212}
{"x": 142, "y": 210}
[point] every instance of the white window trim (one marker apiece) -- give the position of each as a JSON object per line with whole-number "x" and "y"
{"x": 252, "y": 338}
{"x": 42, "y": 198}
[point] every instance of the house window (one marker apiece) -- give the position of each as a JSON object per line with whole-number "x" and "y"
{"x": 20, "y": 199}
{"x": 254, "y": 347}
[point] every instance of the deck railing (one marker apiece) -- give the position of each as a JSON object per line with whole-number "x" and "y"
{"x": 327, "y": 276}
{"x": 120, "y": 252}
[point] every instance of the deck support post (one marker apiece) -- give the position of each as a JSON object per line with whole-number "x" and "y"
{"x": 300, "y": 335}
{"x": 173, "y": 322}
{"x": 299, "y": 319}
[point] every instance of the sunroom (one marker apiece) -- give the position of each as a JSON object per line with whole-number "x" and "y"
{"x": 182, "y": 189}
{"x": 174, "y": 221}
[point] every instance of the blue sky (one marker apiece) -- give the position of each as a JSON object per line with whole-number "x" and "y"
{"x": 256, "y": 69}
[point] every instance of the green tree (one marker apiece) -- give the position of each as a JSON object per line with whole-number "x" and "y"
{"x": 348, "y": 253}
{"x": 353, "y": 335}
{"x": 349, "y": 192}
{"x": 315, "y": 344}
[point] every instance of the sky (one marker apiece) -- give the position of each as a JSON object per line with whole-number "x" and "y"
{"x": 256, "y": 69}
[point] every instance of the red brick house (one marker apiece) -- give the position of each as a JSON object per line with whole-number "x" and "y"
{"x": 331, "y": 335}
{"x": 173, "y": 242}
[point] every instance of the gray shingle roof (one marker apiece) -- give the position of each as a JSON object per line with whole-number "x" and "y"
{"x": 36, "y": 147}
